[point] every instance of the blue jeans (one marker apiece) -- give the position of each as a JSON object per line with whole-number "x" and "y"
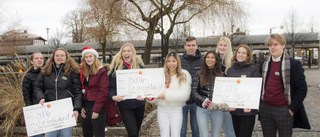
{"x": 217, "y": 120}
{"x": 193, "y": 120}
{"x": 40, "y": 135}
{"x": 66, "y": 132}
{"x": 227, "y": 125}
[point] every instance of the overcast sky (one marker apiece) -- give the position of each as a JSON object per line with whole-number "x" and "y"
{"x": 37, "y": 15}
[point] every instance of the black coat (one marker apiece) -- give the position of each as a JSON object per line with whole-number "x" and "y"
{"x": 28, "y": 84}
{"x": 298, "y": 90}
{"x": 66, "y": 86}
{"x": 249, "y": 70}
{"x": 200, "y": 94}
{"x": 192, "y": 64}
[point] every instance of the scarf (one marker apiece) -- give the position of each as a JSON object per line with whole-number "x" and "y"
{"x": 285, "y": 75}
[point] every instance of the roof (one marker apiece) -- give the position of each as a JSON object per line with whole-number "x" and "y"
{"x": 139, "y": 44}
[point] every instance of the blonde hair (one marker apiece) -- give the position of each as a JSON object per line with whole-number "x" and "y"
{"x": 249, "y": 54}
{"x": 226, "y": 58}
{"x": 277, "y": 37}
{"x": 180, "y": 75}
{"x": 117, "y": 62}
{"x": 70, "y": 64}
{"x": 93, "y": 69}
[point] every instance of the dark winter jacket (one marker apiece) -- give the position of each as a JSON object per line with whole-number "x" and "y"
{"x": 200, "y": 94}
{"x": 298, "y": 90}
{"x": 28, "y": 84}
{"x": 128, "y": 103}
{"x": 249, "y": 70}
{"x": 64, "y": 87}
{"x": 192, "y": 64}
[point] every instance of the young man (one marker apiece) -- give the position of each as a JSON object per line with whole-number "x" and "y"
{"x": 284, "y": 89}
{"x": 191, "y": 61}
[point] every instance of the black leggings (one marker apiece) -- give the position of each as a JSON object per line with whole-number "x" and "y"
{"x": 243, "y": 125}
{"x": 132, "y": 119}
{"x": 94, "y": 126}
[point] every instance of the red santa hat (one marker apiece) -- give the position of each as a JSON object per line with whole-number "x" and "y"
{"x": 89, "y": 50}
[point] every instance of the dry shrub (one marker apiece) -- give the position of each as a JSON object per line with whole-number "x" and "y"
{"x": 149, "y": 107}
{"x": 11, "y": 97}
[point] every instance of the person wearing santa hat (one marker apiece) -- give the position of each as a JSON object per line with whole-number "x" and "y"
{"x": 95, "y": 82}
{"x": 131, "y": 110}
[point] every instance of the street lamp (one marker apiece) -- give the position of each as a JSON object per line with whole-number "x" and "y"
{"x": 162, "y": 37}
{"x": 48, "y": 41}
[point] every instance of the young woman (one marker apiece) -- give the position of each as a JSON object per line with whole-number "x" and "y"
{"x": 95, "y": 83}
{"x": 243, "y": 119}
{"x": 224, "y": 50}
{"x": 203, "y": 94}
{"x": 177, "y": 92}
{"x": 59, "y": 79}
{"x": 30, "y": 79}
{"x": 131, "y": 110}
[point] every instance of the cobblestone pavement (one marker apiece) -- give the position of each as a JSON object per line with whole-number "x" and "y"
{"x": 311, "y": 102}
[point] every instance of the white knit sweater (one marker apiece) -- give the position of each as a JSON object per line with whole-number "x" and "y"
{"x": 176, "y": 95}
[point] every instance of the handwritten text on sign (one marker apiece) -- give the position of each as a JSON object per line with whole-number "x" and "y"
{"x": 237, "y": 92}
{"x": 54, "y": 115}
{"x": 143, "y": 82}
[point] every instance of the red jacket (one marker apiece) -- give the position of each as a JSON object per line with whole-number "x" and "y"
{"x": 98, "y": 89}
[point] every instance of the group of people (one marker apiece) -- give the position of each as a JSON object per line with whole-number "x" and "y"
{"x": 189, "y": 84}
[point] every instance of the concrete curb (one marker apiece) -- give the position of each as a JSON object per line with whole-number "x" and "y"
{"x": 112, "y": 131}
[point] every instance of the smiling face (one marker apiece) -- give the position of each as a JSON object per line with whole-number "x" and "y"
{"x": 222, "y": 48}
{"x": 242, "y": 54}
{"x": 37, "y": 60}
{"x": 172, "y": 64}
{"x": 89, "y": 58}
{"x": 276, "y": 49}
{"x": 59, "y": 57}
{"x": 210, "y": 60}
{"x": 127, "y": 54}
{"x": 191, "y": 47}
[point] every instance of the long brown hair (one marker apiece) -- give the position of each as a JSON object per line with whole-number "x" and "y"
{"x": 180, "y": 75}
{"x": 249, "y": 54}
{"x": 70, "y": 64}
{"x": 205, "y": 72}
{"x": 93, "y": 69}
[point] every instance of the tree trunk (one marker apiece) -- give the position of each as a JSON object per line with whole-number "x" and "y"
{"x": 103, "y": 47}
{"x": 149, "y": 41}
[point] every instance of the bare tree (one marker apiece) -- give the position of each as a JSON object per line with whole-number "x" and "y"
{"x": 179, "y": 33}
{"x": 59, "y": 39}
{"x": 293, "y": 30}
{"x": 102, "y": 15}
{"x": 77, "y": 21}
{"x": 113, "y": 41}
{"x": 145, "y": 16}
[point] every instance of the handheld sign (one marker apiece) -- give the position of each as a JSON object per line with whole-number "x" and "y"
{"x": 237, "y": 92}
{"x": 54, "y": 115}
{"x": 143, "y": 82}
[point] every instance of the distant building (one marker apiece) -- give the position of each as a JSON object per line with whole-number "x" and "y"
{"x": 16, "y": 38}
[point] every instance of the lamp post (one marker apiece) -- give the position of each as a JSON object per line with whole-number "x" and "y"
{"x": 48, "y": 41}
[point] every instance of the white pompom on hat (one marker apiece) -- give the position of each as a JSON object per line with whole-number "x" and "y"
{"x": 89, "y": 50}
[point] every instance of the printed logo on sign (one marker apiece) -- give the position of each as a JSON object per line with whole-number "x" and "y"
{"x": 238, "y": 81}
{"x": 140, "y": 72}
{"x": 48, "y": 105}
